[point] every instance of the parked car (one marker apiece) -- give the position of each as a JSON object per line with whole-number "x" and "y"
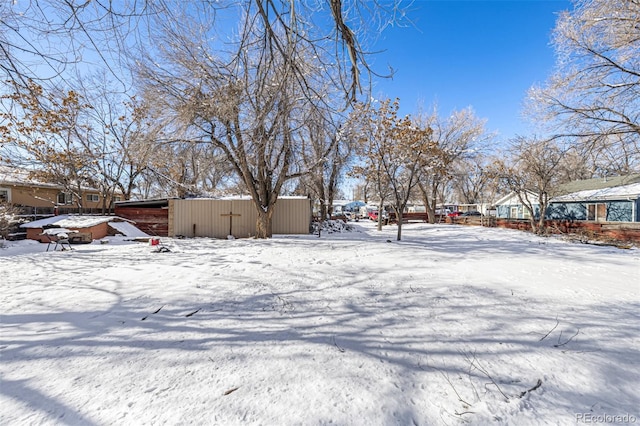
{"x": 471, "y": 213}
{"x": 339, "y": 216}
{"x": 373, "y": 215}
{"x": 454, "y": 214}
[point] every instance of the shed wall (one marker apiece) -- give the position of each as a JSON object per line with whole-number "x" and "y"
{"x": 292, "y": 216}
{"x": 153, "y": 221}
{"x": 97, "y": 232}
{"x": 211, "y": 218}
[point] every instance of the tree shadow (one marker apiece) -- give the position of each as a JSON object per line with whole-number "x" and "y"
{"x": 451, "y": 349}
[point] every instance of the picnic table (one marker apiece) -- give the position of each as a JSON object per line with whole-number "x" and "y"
{"x": 57, "y": 236}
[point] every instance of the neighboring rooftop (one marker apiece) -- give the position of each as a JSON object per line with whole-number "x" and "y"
{"x": 599, "y": 183}
{"x": 611, "y": 193}
{"x": 18, "y": 176}
{"x": 11, "y": 175}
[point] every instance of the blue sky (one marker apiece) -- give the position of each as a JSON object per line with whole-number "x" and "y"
{"x": 478, "y": 53}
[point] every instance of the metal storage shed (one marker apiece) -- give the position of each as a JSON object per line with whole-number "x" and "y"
{"x": 219, "y": 218}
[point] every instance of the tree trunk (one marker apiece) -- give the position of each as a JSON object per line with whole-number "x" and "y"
{"x": 264, "y": 223}
{"x": 380, "y": 210}
{"x": 541, "y": 225}
{"x": 399, "y": 217}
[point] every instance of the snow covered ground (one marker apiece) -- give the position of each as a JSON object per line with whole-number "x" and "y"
{"x": 452, "y": 325}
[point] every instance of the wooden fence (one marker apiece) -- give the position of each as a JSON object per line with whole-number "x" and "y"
{"x": 415, "y": 217}
{"x": 152, "y": 220}
{"x": 616, "y": 231}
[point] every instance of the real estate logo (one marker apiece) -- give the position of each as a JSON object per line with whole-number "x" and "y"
{"x": 605, "y": 418}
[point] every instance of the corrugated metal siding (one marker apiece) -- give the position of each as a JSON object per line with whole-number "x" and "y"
{"x": 210, "y": 218}
{"x": 244, "y": 226}
{"x": 292, "y": 216}
{"x": 200, "y": 218}
{"x": 171, "y": 225}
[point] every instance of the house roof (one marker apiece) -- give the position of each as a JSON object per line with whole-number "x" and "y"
{"x": 598, "y": 183}
{"x": 17, "y": 176}
{"x": 631, "y": 191}
{"x": 511, "y": 195}
{"x": 612, "y": 187}
{"x": 72, "y": 221}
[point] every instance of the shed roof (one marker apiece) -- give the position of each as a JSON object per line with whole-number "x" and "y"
{"x": 127, "y": 229}
{"x": 72, "y": 221}
{"x": 150, "y": 202}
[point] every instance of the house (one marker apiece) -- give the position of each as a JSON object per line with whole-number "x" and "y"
{"x": 510, "y": 206}
{"x": 608, "y": 199}
{"x": 95, "y": 227}
{"x": 19, "y": 188}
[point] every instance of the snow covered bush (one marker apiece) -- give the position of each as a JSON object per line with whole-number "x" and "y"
{"x": 331, "y": 226}
{"x": 8, "y": 219}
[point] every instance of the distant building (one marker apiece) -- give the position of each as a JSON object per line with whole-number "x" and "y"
{"x": 38, "y": 197}
{"x": 609, "y": 199}
{"x": 510, "y": 206}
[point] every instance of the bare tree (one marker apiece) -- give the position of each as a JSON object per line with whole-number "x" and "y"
{"x": 250, "y": 104}
{"x": 325, "y": 150}
{"x": 121, "y": 137}
{"x": 390, "y": 150}
{"x": 49, "y": 132}
{"x": 471, "y": 180}
{"x": 534, "y": 167}
{"x": 267, "y": 71}
{"x": 455, "y": 139}
{"x": 46, "y": 40}
{"x": 368, "y": 128}
{"x": 594, "y": 95}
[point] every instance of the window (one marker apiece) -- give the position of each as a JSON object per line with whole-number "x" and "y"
{"x": 117, "y": 198}
{"x": 513, "y": 213}
{"x": 94, "y": 198}
{"x": 597, "y": 212}
{"x": 5, "y": 195}
{"x": 65, "y": 198}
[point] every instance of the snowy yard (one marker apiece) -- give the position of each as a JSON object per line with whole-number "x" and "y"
{"x": 452, "y": 325}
